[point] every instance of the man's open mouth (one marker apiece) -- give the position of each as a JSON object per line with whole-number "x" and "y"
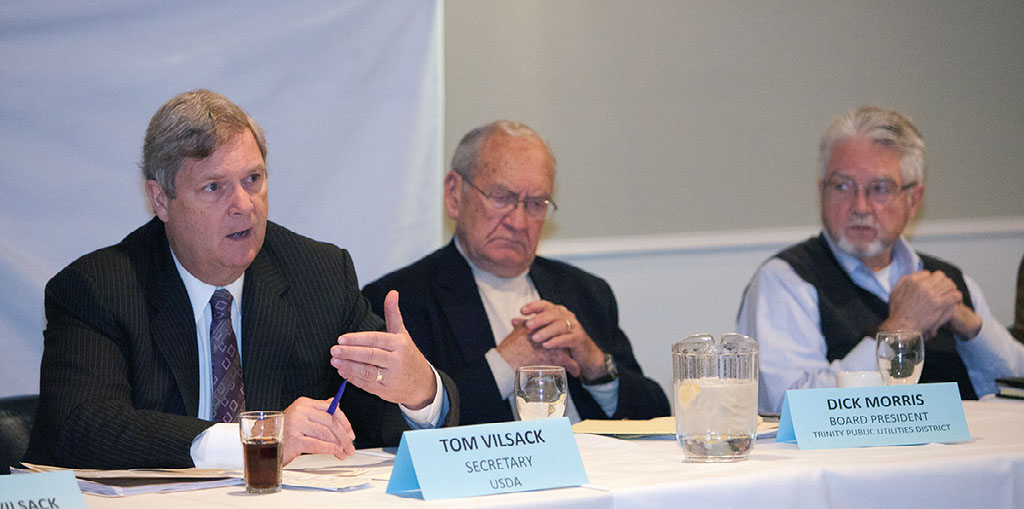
{"x": 240, "y": 235}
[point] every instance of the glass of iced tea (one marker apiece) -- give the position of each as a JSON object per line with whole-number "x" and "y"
{"x": 261, "y": 433}
{"x": 715, "y": 396}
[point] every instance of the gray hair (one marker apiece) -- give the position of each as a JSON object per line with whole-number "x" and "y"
{"x": 192, "y": 125}
{"x": 884, "y": 127}
{"x": 467, "y": 153}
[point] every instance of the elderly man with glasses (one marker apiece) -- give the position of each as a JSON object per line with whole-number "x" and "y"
{"x": 816, "y": 306}
{"x": 485, "y": 304}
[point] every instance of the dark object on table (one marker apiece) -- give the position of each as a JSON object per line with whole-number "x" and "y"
{"x": 1017, "y": 329}
{"x": 16, "y": 416}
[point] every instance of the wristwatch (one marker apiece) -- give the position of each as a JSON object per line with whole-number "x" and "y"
{"x": 613, "y": 372}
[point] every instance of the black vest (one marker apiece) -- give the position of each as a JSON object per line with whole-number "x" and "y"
{"x": 849, "y": 312}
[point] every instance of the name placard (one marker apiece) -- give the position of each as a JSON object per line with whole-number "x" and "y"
{"x": 49, "y": 490}
{"x": 485, "y": 459}
{"x": 873, "y": 416}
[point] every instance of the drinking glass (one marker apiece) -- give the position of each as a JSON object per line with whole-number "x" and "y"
{"x": 540, "y": 392}
{"x": 261, "y": 434}
{"x": 849, "y": 379}
{"x": 715, "y": 396}
{"x": 900, "y": 356}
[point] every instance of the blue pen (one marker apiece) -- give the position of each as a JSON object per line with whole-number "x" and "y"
{"x": 337, "y": 397}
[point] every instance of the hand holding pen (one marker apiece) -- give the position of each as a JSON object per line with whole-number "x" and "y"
{"x": 337, "y": 398}
{"x": 317, "y": 427}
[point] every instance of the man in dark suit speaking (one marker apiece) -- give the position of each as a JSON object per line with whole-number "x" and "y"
{"x": 486, "y": 304}
{"x": 154, "y": 345}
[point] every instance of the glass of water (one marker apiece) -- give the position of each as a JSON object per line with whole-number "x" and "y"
{"x": 540, "y": 392}
{"x": 900, "y": 356}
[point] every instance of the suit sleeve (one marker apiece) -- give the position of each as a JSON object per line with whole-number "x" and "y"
{"x": 86, "y": 417}
{"x": 639, "y": 396}
{"x": 1017, "y": 329}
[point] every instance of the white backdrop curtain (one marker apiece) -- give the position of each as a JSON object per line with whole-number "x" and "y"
{"x": 349, "y": 92}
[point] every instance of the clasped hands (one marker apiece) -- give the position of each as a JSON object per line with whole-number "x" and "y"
{"x": 549, "y": 333}
{"x": 926, "y": 301}
{"x": 405, "y": 377}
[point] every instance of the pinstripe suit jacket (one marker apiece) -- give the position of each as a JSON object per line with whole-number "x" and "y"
{"x": 119, "y": 385}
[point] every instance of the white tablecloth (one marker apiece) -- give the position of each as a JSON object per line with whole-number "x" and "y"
{"x": 987, "y": 472}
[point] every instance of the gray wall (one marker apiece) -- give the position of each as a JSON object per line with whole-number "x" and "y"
{"x": 686, "y": 133}
{"x": 704, "y": 116}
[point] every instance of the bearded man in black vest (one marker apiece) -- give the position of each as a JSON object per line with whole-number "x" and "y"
{"x": 816, "y": 306}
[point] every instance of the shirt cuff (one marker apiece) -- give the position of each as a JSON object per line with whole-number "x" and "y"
{"x": 606, "y": 395}
{"x": 861, "y": 358}
{"x": 428, "y": 416}
{"x": 985, "y": 338}
{"x": 504, "y": 375}
{"x": 219, "y": 446}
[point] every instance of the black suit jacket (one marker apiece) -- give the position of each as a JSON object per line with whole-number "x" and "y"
{"x": 443, "y": 312}
{"x": 119, "y": 385}
{"x": 1017, "y": 329}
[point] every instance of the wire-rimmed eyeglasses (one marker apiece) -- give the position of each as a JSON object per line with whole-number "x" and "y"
{"x": 507, "y": 201}
{"x": 880, "y": 191}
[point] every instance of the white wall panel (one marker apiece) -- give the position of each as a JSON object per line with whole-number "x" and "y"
{"x": 349, "y": 93}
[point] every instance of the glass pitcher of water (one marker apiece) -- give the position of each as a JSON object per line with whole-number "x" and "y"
{"x": 715, "y": 396}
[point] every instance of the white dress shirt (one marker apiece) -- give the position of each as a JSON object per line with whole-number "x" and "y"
{"x": 502, "y": 299}
{"x": 780, "y": 311}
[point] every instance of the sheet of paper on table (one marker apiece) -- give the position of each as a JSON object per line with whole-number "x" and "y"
{"x": 660, "y": 427}
{"x": 119, "y": 483}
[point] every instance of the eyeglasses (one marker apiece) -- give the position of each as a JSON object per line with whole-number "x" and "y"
{"x": 507, "y": 201}
{"x": 881, "y": 191}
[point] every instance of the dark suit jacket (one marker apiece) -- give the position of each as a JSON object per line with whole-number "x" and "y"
{"x": 119, "y": 383}
{"x": 443, "y": 312}
{"x": 1017, "y": 329}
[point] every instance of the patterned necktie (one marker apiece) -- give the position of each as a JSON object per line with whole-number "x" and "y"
{"x": 228, "y": 394}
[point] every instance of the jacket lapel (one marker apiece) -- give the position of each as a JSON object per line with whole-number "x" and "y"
{"x": 546, "y": 283}
{"x": 268, "y": 323}
{"x": 460, "y": 302}
{"x": 172, "y": 325}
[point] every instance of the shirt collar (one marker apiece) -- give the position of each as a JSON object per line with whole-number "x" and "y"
{"x": 904, "y": 260}
{"x": 486, "y": 277}
{"x": 199, "y": 293}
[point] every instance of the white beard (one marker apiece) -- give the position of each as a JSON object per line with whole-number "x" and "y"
{"x": 860, "y": 252}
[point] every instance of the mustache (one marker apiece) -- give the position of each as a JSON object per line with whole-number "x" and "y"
{"x": 868, "y": 221}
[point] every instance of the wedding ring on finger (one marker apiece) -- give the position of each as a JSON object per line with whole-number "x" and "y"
{"x": 380, "y": 374}
{"x": 568, "y": 326}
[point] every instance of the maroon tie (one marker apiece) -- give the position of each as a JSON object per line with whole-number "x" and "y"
{"x": 228, "y": 394}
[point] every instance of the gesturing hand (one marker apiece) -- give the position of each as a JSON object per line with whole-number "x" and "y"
{"x": 387, "y": 364}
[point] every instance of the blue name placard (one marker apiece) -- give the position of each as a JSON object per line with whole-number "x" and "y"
{"x": 873, "y": 416}
{"x": 49, "y": 490}
{"x": 485, "y": 459}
